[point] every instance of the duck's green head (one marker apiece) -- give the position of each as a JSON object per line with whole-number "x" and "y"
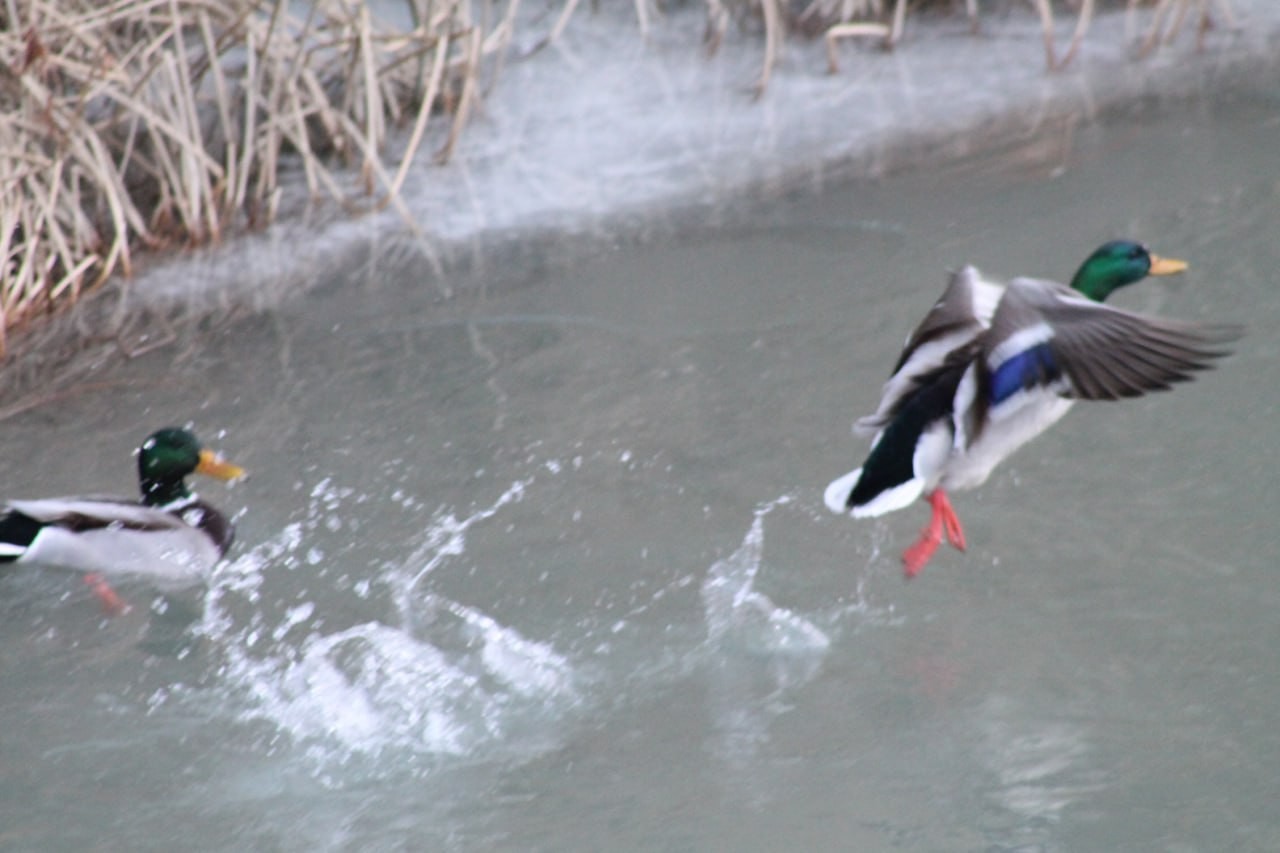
{"x": 168, "y": 456}
{"x": 1120, "y": 262}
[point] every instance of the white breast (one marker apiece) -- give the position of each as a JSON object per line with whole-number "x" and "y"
{"x": 1037, "y": 410}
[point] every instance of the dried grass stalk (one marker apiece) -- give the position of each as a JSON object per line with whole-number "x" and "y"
{"x": 163, "y": 122}
{"x": 884, "y": 20}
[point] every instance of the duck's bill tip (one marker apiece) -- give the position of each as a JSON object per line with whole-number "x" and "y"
{"x": 1167, "y": 266}
{"x": 213, "y": 465}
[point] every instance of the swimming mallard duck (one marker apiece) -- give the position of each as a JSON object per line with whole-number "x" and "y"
{"x": 992, "y": 366}
{"x": 170, "y": 535}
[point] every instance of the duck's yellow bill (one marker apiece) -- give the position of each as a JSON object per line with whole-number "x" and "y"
{"x": 215, "y": 466}
{"x": 1166, "y": 266}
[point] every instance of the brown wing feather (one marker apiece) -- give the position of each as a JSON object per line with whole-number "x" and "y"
{"x": 1108, "y": 353}
{"x": 953, "y": 312}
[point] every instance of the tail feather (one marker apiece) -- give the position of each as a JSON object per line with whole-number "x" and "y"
{"x": 836, "y": 496}
{"x": 843, "y": 496}
{"x": 908, "y": 456}
{"x": 17, "y": 532}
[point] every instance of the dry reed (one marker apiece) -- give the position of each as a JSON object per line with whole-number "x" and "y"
{"x": 884, "y": 21}
{"x": 164, "y": 122}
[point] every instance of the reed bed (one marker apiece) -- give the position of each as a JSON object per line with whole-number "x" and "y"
{"x": 883, "y": 21}
{"x": 154, "y": 123}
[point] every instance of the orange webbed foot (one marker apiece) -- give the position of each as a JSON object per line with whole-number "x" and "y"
{"x": 112, "y": 604}
{"x": 943, "y": 510}
{"x": 918, "y": 555}
{"x": 943, "y": 519}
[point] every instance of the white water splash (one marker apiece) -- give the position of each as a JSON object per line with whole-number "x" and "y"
{"x": 761, "y": 653}
{"x": 739, "y": 615}
{"x": 436, "y": 680}
{"x": 445, "y": 538}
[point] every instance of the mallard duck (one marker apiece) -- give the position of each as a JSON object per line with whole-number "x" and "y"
{"x": 171, "y": 535}
{"x": 992, "y": 366}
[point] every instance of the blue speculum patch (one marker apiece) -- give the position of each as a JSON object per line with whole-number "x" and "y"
{"x": 1029, "y": 367}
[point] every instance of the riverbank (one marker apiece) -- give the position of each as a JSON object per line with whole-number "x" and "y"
{"x": 607, "y": 133}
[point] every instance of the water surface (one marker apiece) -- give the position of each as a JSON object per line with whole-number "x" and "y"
{"x": 534, "y": 555}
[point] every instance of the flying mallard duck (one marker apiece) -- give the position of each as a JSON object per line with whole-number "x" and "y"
{"x": 992, "y": 366}
{"x": 170, "y": 535}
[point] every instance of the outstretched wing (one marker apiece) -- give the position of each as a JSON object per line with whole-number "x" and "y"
{"x": 1044, "y": 334}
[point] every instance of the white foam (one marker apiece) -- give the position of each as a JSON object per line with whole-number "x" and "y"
{"x": 384, "y": 695}
{"x": 737, "y": 613}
